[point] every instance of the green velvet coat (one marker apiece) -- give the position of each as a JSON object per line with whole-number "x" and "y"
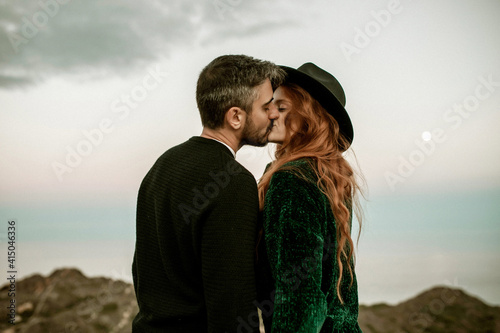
{"x": 300, "y": 238}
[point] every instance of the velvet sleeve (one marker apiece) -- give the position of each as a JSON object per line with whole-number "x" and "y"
{"x": 294, "y": 228}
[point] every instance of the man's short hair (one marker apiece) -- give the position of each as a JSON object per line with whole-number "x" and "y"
{"x": 230, "y": 81}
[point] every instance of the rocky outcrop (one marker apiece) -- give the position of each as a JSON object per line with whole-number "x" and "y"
{"x": 439, "y": 309}
{"x": 68, "y": 301}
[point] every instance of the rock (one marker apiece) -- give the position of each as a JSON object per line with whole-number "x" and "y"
{"x": 25, "y": 307}
{"x": 68, "y": 301}
{"x": 440, "y": 309}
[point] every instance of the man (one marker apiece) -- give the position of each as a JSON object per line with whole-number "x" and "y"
{"x": 197, "y": 209}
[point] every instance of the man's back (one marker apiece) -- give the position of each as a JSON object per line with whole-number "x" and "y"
{"x": 193, "y": 267}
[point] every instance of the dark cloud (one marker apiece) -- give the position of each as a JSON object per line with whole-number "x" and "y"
{"x": 52, "y": 37}
{"x": 7, "y": 81}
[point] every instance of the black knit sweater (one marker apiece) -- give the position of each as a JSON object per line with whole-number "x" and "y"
{"x": 193, "y": 266}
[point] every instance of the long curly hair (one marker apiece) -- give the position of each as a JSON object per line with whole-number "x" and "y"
{"x": 314, "y": 134}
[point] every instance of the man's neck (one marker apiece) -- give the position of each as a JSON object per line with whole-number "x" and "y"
{"x": 223, "y": 136}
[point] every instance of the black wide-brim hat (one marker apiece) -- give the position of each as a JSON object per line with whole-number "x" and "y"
{"x": 325, "y": 88}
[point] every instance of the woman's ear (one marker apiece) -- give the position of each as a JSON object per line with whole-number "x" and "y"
{"x": 235, "y": 118}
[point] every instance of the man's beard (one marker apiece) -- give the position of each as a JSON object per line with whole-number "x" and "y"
{"x": 252, "y": 137}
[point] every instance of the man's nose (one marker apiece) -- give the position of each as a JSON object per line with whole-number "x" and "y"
{"x": 273, "y": 112}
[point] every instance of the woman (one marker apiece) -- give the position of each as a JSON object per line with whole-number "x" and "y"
{"x": 307, "y": 195}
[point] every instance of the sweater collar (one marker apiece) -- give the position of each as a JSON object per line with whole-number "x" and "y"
{"x": 230, "y": 149}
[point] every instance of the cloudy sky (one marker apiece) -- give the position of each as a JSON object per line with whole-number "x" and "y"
{"x": 92, "y": 92}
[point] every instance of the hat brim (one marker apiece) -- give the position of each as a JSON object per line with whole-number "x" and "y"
{"x": 325, "y": 97}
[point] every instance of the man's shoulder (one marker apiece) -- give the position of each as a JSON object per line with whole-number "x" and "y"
{"x": 187, "y": 145}
{"x": 198, "y": 148}
{"x": 203, "y": 157}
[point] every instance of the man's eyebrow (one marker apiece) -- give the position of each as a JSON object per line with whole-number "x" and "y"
{"x": 267, "y": 103}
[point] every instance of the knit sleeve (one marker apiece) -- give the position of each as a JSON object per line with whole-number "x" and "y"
{"x": 228, "y": 256}
{"x": 294, "y": 215}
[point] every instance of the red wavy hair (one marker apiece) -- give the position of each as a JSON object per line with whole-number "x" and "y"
{"x": 316, "y": 136}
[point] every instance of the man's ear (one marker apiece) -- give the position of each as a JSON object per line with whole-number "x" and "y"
{"x": 236, "y": 118}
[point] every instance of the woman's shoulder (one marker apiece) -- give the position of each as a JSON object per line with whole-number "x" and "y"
{"x": 300, "y": 163}
{"x": 298, "y": 172}
{"x": 302, "y": 168}
{"x": 295, "y": 181}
